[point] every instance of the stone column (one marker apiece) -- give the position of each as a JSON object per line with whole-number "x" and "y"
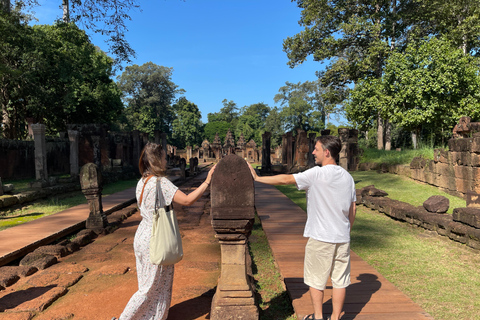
{"x": 266, "y": 162}
{"x": 311, "y": 146}
{"x": 158, "y": 137}
{"x": 41, "y": 172}
{"x": 189, "y": 152}
{"x": 343, "y": 156}
{"x": 73, "y": 136}
{"x": 233, "y": 210}
{"x": 164, "y": 141}
{"x": 97, "y": 151}
{"x": 136, "y": 148}
{"x": 91, "y": 182}
{"x": 284, "y": 149}
{"x": 301, "y": 149}
{"x": 289, "y": 151}
{"x": 1, "y": 187}
{"x": 183, "y": 167}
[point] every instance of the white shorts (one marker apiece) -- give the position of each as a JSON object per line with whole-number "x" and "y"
{"x": 323, "y": 260}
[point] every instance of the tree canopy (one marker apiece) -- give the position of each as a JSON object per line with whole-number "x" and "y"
{"x": 54, "y": 75}
{"x": 187, "y": 127}
{"x": 148, "y": 93}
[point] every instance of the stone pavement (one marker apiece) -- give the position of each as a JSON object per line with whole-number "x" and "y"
{"x": 97, "y": 281}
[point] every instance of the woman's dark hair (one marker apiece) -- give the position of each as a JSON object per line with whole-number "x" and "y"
{"x": 152, "y": 160}
{"x": 332, "y": 144}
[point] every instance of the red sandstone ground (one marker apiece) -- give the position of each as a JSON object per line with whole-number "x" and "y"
{"x": 101, "y": 277}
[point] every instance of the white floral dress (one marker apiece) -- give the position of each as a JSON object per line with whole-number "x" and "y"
{"x": 152, "y": 300}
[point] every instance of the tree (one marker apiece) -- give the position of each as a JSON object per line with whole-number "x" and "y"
{"x": 54, "y": 75}
{"x": 187, "y": 125}
{"x": 354, "y": 36}
{"x": 431, "y": 86}
{"x": 299, "y": 101}
{"x": 273, "y": 124}
{"x": 426, "y": 88}
{"x": 251, "y": 122}
{"x": 105, "y": 17}
{"x": 212, "y": 128}
{"x": 148, "y": 92}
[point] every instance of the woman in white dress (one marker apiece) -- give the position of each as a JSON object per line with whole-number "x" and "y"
{"x": 152, "y": 300}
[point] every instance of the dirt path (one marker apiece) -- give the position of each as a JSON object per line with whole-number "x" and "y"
{"x": 97, "y": 281}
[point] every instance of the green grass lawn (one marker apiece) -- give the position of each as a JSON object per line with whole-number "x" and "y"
{"x": 46, "y": 207}
{"x": 441, "y": 275}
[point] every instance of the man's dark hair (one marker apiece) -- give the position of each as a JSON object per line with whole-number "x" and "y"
{"x": 332, "y": 144}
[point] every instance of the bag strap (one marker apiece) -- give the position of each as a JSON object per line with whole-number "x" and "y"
{"x": 141, "y": 195}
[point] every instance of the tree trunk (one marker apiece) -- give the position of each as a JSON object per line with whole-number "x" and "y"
{"x": 388, "y": 135}
{"x": 379, "y": 133}
{"x": 66, "y": 11}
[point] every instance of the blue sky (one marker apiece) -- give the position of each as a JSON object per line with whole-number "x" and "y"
{"x": 219, "y": 49}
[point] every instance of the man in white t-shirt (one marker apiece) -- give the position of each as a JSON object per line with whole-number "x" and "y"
{"x": 330, "y": 192}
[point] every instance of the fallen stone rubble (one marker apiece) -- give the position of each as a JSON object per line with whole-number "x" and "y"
{"x": 462, "y": 226}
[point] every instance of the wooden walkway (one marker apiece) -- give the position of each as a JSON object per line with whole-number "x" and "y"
{"x": 370, "y": 296}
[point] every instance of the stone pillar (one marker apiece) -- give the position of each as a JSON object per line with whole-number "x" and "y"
{"x": 164, "y": 142}
{"x": 266, "y": 162}
{"x": 91, "y": 182}
{"x": 343, "y": 155}
{"x": 301, "y": 149}
{"x": 183, "y": 167}
{"x": 289, "y": 151}
{"x": 1, "y": 187}
{"x": 136, "y": 148}
{"x": 73, "y": 136}
{"x": 189, "y": 152}
{"x": 41, "y": 173}
{"x": 97, "y": 151}
{"x": 284, "y": 149}
{"x": 311, "y": 146}
{"x": 158, "y": 137}
{"x": 233, "y": 211}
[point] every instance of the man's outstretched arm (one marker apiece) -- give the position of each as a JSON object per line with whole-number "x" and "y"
{"x": 273, "y": 180}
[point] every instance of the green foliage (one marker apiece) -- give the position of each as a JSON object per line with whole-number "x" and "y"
{"x": 54, "y": 75}
{"x": 148, "y": 92}
{"x": 273, "y": 124}
{"x": 391, "y": 157}
{"x": 212, "y": 128}
{"x": 187, "y": 128}
{"x": 431, "y": 85}
{"x": 251, "y": 122}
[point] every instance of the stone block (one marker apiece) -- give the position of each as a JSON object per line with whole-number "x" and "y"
{"x": 461, "y": 158}
{"x": 437, "y": 204}
{"x": 446, "y": 182}
{"x": 418, "y": 163}
{"x": 430, "y": 166}
{"x": 460, "y": 145}
{"x": 7, "y": 201}
{"x": 57, "y": 251}
{"x": 475, "y": 159}
{"x": 458, "y": 232}
{"x": 463, "y": 185}
{"x": 445, "y": 169}
{"x": 463, "y": 172}
{"x": 473, "y": 199}
{"x": 441, "y": 155}
{"x": 469, "y": 216}
{"x": 232, "y": 190}
{"x": 475, "y": 145}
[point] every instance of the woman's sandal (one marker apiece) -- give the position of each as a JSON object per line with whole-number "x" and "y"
{"x": 311, "y": 317}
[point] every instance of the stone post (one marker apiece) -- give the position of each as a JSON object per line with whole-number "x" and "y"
{"x": 1, "y": 187}
{"x": 301, "y": 149}
{"x": 73, "y": 136}
{"x": 41, "y": 173}
{"x": 289, "y": 151}
{"x": 189, "y": 152}
{"x": 136, "y": 148}
{"x": 158, "y": 137}
{"x": 233, "y": 210}
{"x": 266, "y": 162}
{"x": 284, "y": 149}
{"x": 91, "y": 182}
{"x": 183, "y": 167}
{"x": 311, "y": 146}
{"x": 343, "y": 155}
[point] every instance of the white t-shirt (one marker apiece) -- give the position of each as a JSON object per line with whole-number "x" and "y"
{"x": 330, "y": 191}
